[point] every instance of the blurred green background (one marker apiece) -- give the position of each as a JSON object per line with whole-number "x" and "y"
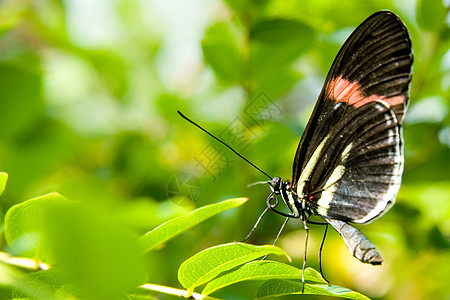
{"x": 88, "y": 98}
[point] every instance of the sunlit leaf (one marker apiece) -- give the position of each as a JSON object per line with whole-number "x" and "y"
{"x": 261, "y": 270}
{"x": 9, "y": 275}
{"x": 3, "y": 180}
{"x": 43, "y": 285}
{"x": 277, "y": 287}
{"x": 23, "y": 223}
{"x": 209, "y": 263}
{"x": 171, "y": 228}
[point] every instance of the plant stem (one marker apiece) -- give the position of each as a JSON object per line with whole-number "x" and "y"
{"x": 34, "y": 265}
{"x": 172, "y": 291}
{"x": 23, "y": 262}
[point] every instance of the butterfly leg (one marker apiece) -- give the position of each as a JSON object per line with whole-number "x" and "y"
{"x": 321, "y": 246}
{"x": 320, "y": 253}
{"x": 281, "y": 229}
{"x": 256, "y": 225}
{"x": 304, "y": 257}
{"x": 278, "y": 235}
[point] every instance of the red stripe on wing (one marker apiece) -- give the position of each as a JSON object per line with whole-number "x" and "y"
{"x": 342, "y": 90}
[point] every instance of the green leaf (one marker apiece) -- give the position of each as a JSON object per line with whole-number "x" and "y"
{"x": 279, "y": 287}
{"x": 282, "y": 30}
{"x": 22, "y": 100}
{"x": 43, "y": 285}
{"x": 431, "y": 14}
{"x": 261, "y": 270}
{"x": 3, "y": 180}
{"x": 93, "y": 252}
{"x": 23, "y": 223}
{"x": 275, "y": 45}
{"x": 98, "y": 256}
{"x": 171, "y": 228}
{"x": 222, "y": 53}
{"x": 209, "y": 263}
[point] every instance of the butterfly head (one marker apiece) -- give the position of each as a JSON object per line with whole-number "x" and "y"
{"x": 276, "y": 185}
{"x": 283, "y": 189}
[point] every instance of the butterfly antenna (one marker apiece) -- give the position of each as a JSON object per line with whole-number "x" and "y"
{"x": 222, "y": 142}
{"x": 256, "y": 183}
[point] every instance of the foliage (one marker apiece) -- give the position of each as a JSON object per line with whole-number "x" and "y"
{"x": 91, "y": 135}
{"x": 76, "y": 239}
{"x": 176, "y": 226}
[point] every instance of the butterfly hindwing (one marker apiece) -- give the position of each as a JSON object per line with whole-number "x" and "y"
{"x": 349, "y": 161}
{"x": 360, "y": 169}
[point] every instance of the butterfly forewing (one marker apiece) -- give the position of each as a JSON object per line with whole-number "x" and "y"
{"x": 349, "y": 161}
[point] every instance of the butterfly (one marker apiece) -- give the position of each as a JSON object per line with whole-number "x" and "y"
{"x": 349, "y": 162}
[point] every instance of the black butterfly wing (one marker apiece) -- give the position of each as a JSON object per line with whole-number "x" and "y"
{"x": 349, "y": 162}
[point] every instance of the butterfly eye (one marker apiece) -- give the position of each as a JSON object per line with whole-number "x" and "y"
{"x": 275, "y": 184}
